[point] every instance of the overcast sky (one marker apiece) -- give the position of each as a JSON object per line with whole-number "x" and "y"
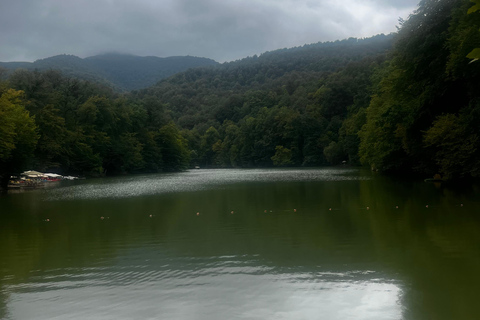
{"x": 222, "y": 30}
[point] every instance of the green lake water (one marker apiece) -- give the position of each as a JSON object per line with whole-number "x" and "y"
{"x": 242, "y": 244}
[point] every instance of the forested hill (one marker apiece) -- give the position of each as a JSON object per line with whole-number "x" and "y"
{"x": 120, "y": 71}
{"x": 258, "y": 71}
{"x": 211, "y": 95}
{"x": 408, "y": 102}
{"x": 284, "y": 107}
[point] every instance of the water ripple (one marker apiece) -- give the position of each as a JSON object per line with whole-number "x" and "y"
{"x": 205, "y": 287}
{"x": 193, "y": 180}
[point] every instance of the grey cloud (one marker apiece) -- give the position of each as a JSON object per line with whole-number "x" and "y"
{"x": 397, "y": 4}
{"x": 218, "y": 29}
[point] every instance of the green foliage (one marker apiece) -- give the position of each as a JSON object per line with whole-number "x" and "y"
{"x": 80, "y": 156}
{"x": 454, "y": 147}
{"x": 87, "y": 129}
{"x": 465, "y": 36}
{"x": 475, "y": 53}
{"x": 426, "y": 83}
{"x": 18, "y": 136}
{"x": 282, "y": 157}
{"x": 207, "y": 150}
{"x": 475, "y": 7}
{"x": 53, "y": 132}
{"x": 237, "y": 113}
{"x": 415, "y": 109}
{"x": 173, "y": 146}
{"x": 130, "y": 151}
{"x": 348, "y": 135}
{"x": 383, "y": 144}
{"x": 334, "y": 153}
{"x": 151, "y": 153}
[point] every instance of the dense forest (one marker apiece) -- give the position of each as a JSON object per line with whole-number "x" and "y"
{"x": 122, "y": 72}
{"x": 407, "y": 102}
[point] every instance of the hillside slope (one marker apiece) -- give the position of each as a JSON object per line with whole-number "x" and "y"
{"x": 197, "y": 96}
{"x": 122, "y": 72}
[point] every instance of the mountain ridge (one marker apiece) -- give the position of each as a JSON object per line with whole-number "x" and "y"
{"x": 123, "y": 72}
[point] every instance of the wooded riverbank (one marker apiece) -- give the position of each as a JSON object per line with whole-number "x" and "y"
{"x": 405, "y": 103}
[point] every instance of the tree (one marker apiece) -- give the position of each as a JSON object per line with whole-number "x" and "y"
{"x": 282, "y": 157}
{"x": 151, "y": 153}
{"x": 208, "y": 140}
{"x": 475, "y": 53}
{"x": 454, "y": 147}
{"x": 18, "y": 136}
{"x": 173, "y": 146}
{"x": 334, "y": 153}
{"x": 415, "y": 87}
{"x": 52, "y": 134}
{"x": 130, "y": 151}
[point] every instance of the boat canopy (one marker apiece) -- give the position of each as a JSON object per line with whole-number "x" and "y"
{"x": 32, "y": 174}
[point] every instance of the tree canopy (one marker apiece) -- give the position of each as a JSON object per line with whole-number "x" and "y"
{"x": 426, "y": 84}
{"x": 406, "y": 102}
{"x": 18, "y": 135}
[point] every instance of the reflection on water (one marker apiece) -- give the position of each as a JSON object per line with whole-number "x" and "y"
{"x": 197, "y": 180}
{"x": 210, "y": 290}
{"x": 266, "y": 244}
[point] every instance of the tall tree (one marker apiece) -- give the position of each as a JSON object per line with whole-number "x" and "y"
{"x": 415, "y": 88}
{"x": 18, "y": 136}
{"x": 475, "y": 53}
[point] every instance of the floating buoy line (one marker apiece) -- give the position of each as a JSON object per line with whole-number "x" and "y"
{"x": 294, "y": 210}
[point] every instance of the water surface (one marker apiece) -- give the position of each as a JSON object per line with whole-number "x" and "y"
{"x": 241, "y": 244}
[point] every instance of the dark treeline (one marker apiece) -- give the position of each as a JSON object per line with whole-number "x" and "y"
{"x": 408, "y": 102}
{"x": 425, "y": 110}
{"x": 74, "y": 126}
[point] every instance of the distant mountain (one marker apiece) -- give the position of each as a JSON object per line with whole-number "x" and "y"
{"x": 123, "y": 72}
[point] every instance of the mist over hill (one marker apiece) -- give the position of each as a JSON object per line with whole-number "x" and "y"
{"x": 120, "y": 71}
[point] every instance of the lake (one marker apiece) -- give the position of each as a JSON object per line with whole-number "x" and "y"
{"x": 337, "y": 243}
